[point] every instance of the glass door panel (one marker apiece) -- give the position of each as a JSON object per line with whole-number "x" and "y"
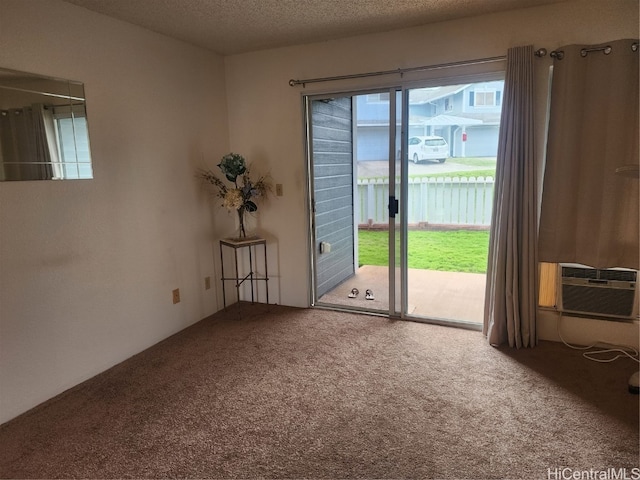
{"x": 450, "y": 158}
{"x": 349, "y": 145}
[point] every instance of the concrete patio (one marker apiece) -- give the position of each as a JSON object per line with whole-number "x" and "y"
{"x": 431, "y": 294}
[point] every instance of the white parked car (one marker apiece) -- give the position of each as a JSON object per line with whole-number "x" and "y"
{"x": 428, "y": 148}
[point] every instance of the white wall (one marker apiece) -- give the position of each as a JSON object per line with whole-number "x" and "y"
{"x": 87, "y": 267}
{"x": 266, "y": 115}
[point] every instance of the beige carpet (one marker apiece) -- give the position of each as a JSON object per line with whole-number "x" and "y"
{"x": 288, "y": 393}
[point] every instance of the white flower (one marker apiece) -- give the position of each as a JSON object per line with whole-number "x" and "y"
{"x": 233, "y": 200}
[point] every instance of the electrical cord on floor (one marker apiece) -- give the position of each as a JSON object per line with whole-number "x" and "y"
{"x": 621, "y": 350}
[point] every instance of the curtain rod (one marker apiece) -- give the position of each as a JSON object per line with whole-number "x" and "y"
{"x": 559, "y": 54}
{"x": 400, "y": 71}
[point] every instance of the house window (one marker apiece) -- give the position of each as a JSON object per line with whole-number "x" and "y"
{"x": 378, "y": 97}
{"x": 488, "y": 98}
{"x": 448, "y": 105}
{"x": 72, "y": 140}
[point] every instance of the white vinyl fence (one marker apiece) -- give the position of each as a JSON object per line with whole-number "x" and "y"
{"x": 440, "y": 200}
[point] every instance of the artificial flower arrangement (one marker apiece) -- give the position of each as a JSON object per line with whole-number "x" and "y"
{"x": 244, "y": 193}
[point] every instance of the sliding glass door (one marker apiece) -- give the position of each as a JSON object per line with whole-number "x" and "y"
{"x": 401, "y": 191}
{"x": 352, "y": 146}
{"x": 452, "y": 141}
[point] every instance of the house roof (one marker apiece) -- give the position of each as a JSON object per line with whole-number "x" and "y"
{"x": 420, "y": 96}
{"x": 488, "y": 118}
{"x": 444, "y": 120}
{"x": 438, "y": 120}
{"x": 237, "y": 26}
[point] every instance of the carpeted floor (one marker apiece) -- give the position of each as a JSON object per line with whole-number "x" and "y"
{"x": 289, "y": 393}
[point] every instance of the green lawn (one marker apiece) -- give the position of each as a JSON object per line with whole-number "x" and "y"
{"x": 465, "y": 173}
{"x": 486, "y": 168}
{"x": 451, "y": 251}
{"x": 475, "y": 161}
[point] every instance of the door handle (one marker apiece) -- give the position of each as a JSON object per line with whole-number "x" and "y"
{"x": 393, "y": 206}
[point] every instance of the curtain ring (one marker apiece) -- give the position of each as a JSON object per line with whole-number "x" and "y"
{"x": 634, "y": 46}
{"x": 559, "y": 54}
{"x": 541, "y": 52}
{"x": 606, "y": 50}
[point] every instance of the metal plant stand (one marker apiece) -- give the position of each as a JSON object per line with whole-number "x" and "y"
{"x": 252, "y": 276}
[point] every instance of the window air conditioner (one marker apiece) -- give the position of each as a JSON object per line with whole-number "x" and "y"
{"x": 598, "y": 292}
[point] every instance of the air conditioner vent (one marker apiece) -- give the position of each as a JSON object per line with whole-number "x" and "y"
{"x": 621, "y": 275}
{"x": 571, "y": 272}
{"x": 601, "y": 292}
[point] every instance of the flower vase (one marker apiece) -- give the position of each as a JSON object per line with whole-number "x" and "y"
{"x": 241, "y": 232}
{"x": 244, "y": 225}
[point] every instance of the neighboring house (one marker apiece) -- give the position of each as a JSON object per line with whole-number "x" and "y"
{"x": 467, "y": 116}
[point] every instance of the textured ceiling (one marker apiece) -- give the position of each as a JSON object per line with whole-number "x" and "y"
{"x": 237, "y": 26}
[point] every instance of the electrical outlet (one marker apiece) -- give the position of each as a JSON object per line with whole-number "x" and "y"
{"x": 176, "y": 295}
{"x": 278, "y": 189}
{"x": 207, "y": 283}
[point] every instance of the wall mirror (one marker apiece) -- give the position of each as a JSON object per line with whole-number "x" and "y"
{"x": 43, "y": 128}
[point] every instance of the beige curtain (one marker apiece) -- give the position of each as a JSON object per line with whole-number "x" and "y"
{"x": 589, "y": 212}
{"x": 27, "y": 140}
{"x": 511, "y": 293}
